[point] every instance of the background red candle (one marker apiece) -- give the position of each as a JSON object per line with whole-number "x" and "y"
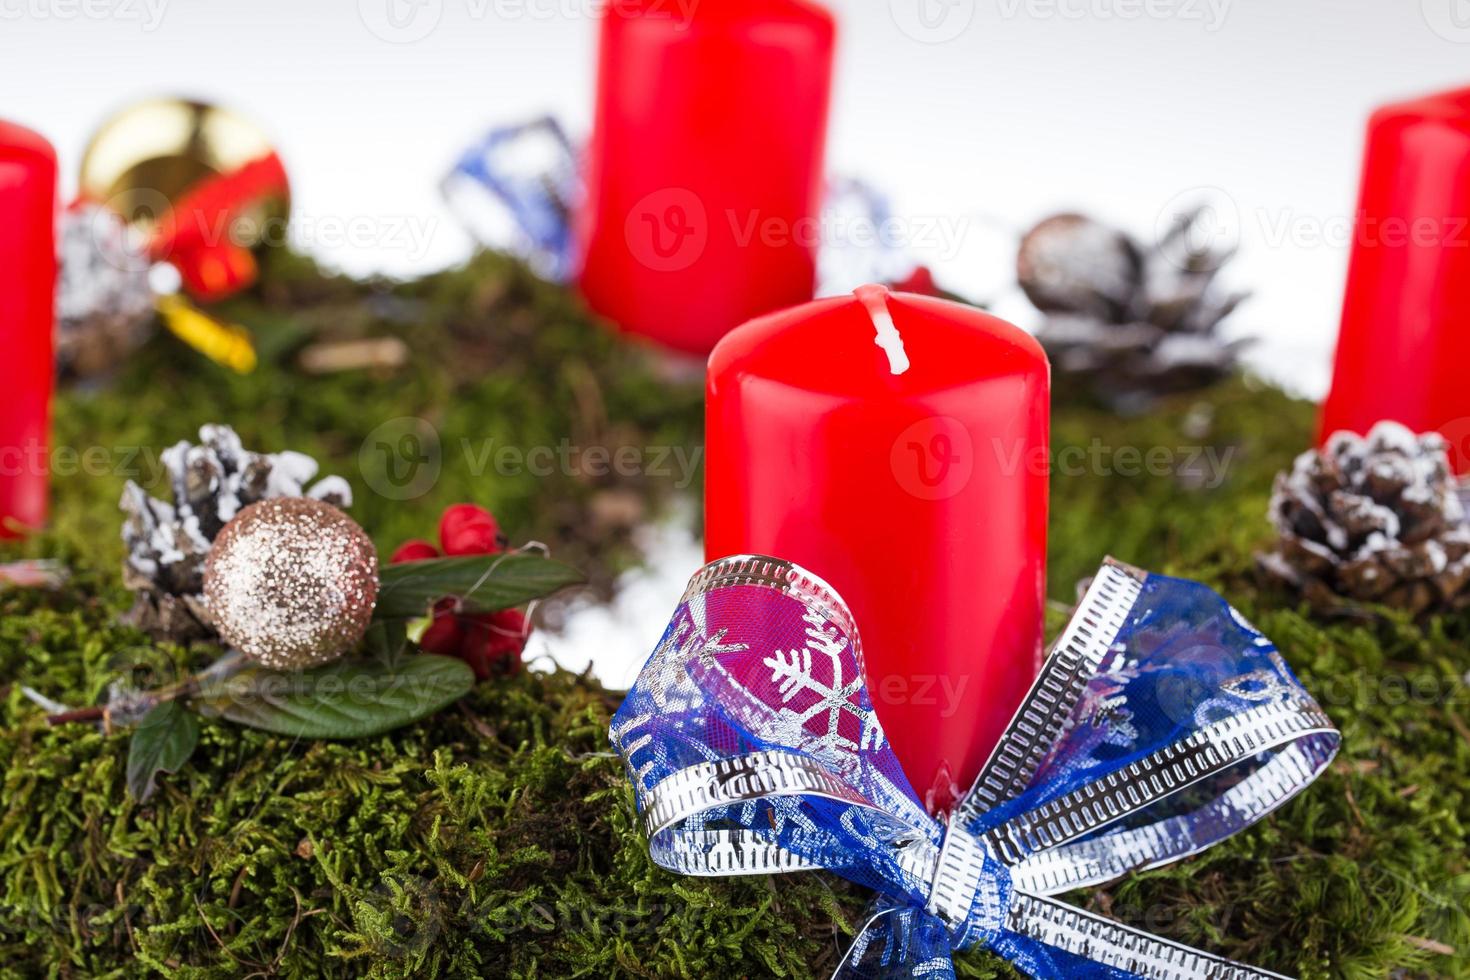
{"x": 27, "y": 320}
{"x": 1405, "y": 336}
{"x": 704, "y": 176}
{"x": 912, "y": 476}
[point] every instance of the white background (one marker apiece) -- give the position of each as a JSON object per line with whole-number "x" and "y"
{"x": 998, "y": 113}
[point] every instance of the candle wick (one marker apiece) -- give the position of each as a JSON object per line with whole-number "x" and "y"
{"x": 875, "y": 298}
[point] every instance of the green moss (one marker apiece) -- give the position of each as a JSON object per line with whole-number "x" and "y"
{"x": 498, "y": 838}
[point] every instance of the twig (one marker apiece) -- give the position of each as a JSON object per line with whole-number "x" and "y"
{"x": 1457, "y": 724}
{"x": 290, "y": 930}
{"x": 237, "y": 887}
{"x": 143, "y": 703}
{"x": 97, "y": 713}
{"x": 127, "y": 915}
{"x": 1353, "y": 805}
{"x": 1429, "y": 945}
{"x": 205, "y": 919}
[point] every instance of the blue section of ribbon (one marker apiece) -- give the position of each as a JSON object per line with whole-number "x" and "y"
{"x": 1161, "y": 724}
{"x": 527, "y": 175}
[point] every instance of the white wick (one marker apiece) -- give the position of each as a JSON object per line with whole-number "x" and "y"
{"x": 875, "y": 298}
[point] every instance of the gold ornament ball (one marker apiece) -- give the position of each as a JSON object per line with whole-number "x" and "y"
{"x": 291, "y": 583}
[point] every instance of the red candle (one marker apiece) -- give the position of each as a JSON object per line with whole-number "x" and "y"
{"x": 27, "y": 319}
{"x": 896, "y": 445}
{"x": 1406, "y": 322}
{"x": 704, "y": 175}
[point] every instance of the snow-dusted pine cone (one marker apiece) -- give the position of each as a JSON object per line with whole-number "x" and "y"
{"x": 104, "y": 302}
{"x": 168, "y": 543}
{"x": 1128, "y": 321}
{"x": 1375, "y": 520}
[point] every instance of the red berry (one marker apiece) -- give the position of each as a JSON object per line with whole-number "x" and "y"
{"x": 467, "y": 529}
{"x": 415, "y": 550}
{"x": 445, "y": 634}
{"x": 493, "y": 643}
{"x": 920, "y": 281}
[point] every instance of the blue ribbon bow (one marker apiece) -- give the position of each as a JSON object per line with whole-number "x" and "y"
{"x": 1162, "y": 723}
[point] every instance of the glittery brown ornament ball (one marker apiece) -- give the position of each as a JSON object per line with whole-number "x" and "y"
{"x": 291, "y": 583}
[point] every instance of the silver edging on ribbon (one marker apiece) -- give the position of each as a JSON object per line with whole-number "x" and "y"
{"x": 1113, "y": 944}
{"x": 709, "y": 786}
{"x": 1074, "y": 658}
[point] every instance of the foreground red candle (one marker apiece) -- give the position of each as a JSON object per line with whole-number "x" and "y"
{"x": 27, "y": 298}
{"x": 704, "y": 176}
{"x": 1405, "y": 336}
{"x": 896, "y": 445}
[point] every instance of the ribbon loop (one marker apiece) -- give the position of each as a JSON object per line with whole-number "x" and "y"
{"x": 1161, "y": 723}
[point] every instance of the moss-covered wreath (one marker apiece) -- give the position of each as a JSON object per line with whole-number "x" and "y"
{"x": 498, "y": 838}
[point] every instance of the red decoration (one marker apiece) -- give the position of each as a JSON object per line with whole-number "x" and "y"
{"x": 466, "y": 529}
{"x": 704, "y": 176}
{"x": 415, "y": 550}
{"x": 918, "y": 491}
{"x": 920, "y": 281}
{"x": 1404, "y": 338}
{"x": 491, "y": 643}
{"x": 194, "y": 235}
{"x": 27, "y": 319}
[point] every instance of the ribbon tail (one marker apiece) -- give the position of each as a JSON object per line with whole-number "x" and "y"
{"x": 896, "y": 943}
{"x": 1047, "y": 938}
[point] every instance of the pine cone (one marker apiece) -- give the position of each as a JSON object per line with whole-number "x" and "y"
{"x": 168, "y": 543}
{"x": 1377, "y": 520}
{"x": 104, "y": 301}
{"x": 1128, "y": 321}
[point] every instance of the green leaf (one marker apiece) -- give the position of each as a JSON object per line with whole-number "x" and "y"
{"x": 162, "y": 742}
{"x": 485, "y": 583}
{"x": 347, "y": 699}
{"x": 386, "y": 640}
